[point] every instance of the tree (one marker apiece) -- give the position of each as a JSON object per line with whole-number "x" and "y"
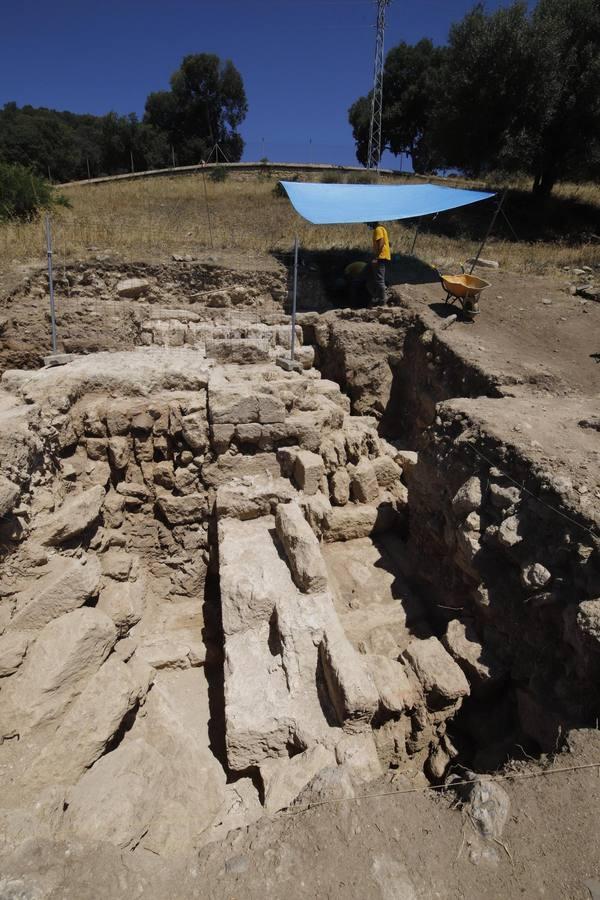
{"x": 205, "y": 106}
{"x": 410, "y": 87}
{"x": 487, "y": 68}
{"x": 564, "y": 98}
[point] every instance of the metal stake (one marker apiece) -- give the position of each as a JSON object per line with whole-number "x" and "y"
{"x": 294, "y": 295}
{"x": 51, "y": 282}
{"x": 489, "y": 231}
{"x": 418, "y": 225}
{"x": 207, "y": 209}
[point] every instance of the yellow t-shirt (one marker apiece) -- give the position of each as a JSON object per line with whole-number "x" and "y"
{"x": 378, "y": 233}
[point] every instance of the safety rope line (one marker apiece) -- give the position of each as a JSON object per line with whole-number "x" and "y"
{"x": 444, "y": 787}
{"x": 531, "y": 494}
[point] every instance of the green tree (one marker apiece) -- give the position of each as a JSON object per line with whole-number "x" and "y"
{"x": 410, "y": 89}
{"x": 205, "y": 106}
{"x": 563, "y": 139}
{"x": 23, "y": 193}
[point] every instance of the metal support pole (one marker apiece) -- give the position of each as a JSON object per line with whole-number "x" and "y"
{"x": 294, "y": 297}
{"x": 418, "y": 225}
{"x": 489, "y": 231}
{"x": 207, "y": 209}
{"x": 51, "y": 282}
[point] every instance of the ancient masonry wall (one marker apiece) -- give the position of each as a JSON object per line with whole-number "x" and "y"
{"x": 144, "y": 703}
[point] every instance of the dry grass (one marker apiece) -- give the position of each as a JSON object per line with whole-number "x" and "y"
{"x": 156, "y": 217}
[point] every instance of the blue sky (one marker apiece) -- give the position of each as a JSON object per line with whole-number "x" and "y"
{"x": 303, "y": 61}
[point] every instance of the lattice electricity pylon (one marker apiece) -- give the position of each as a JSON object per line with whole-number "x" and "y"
{"x": 377, "y": 98}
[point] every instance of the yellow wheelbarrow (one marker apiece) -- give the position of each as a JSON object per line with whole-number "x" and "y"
{"x": 464, "y": 289}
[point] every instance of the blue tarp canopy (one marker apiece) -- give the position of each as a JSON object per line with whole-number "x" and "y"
{"x": 328, "y": 204}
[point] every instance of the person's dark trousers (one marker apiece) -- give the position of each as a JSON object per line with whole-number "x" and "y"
{"x": 379, "y": 278}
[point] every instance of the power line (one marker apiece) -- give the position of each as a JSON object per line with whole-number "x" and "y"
{"x": 374, "y": 154}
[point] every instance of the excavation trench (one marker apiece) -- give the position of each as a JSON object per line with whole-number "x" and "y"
{"x": 269, "y": 590}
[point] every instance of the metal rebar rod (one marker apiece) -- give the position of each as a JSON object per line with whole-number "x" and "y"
{"x": 294, "y": 297}
{"x": 207, "y": 210}
{"x": 418, "y": 225}
{"x": 489, "y": 231}
{"x": 51, "y": 281}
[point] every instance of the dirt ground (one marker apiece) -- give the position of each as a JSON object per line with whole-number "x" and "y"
{"x": 395, "y": 846}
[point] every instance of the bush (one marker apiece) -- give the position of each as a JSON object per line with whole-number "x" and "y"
{"x": 332, "y": 178}
{"x": 362, "y": 178}
{"x": 23, "y": 194}
{"x": 219, "y": 174}
{"x": 280, "y": 191}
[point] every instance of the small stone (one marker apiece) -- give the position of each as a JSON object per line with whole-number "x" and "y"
{"x": 132, "y": 287}
{"x": 535, "y": 576}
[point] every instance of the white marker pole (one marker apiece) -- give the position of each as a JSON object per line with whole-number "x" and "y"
{"x": 51, "y": 282}
{"x": 294, "y": 295}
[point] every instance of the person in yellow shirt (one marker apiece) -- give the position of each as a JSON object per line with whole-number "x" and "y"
{"x": 381, "y": 258}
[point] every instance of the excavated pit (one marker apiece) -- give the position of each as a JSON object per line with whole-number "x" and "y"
{"x": 228, "y": 588}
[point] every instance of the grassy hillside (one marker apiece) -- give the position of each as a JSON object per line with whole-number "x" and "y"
{"x": 156, "y": 217}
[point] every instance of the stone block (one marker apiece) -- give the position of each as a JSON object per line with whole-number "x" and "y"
{"x": 67, "y": 585}
{"x": 396, "y": 693}
{"x": 132, "y": 287}
{"x": 194, "y": 429}
{"x": 302, "y": 549}
{"x": 183, "y": 510}
{"x": 363, "y": 482}
{"x": 442, "y": 680}
{"x": 119, "y": 451}
{"x": 284, "y": 779}
{"x": 345, "y": 523}
{"x": 270, "y": 409}
{"x": 387, "y": 472}
{"x": 232, "y": 405}
{"x": 478, "y": 663}
{"x": 350, "y": 687}
{"x": 13, "y": 647}
{"x": 468, "y": 498}
{"x": 358, "y": 754}
{"x": 308, "y": 471}
{"x": 123, "y": 602}
{"x": 76, "y": 514}
{"x": 251, "y": 498}
{"x": 339, "y": 485}
{"x": 221, "y": 437}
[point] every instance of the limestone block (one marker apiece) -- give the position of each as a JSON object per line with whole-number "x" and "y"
{"x": 183, "y": 510}
{"x": 96, "y": 448}
{"x": 91, "y": 722}
{"x": 118, "y": 420}
{"x": 346, "y": 523}
{"x": 478, "y": 663}
{"x": 304, "y": 431}
{"x": 118, "y": 797}
{"x": 363, "y": 482}
{"x": 123, "y": 602}
{"x": 316, "y": 509}
{"x": 587, "y": 620}
{"x": 132, "y": 287}
{"x": 396, "y": 693}
{"x": 308, "y": 471}
{"x": 232, "y": 405}
{"x": 221, "y": 437}
{"x": 67, "y": 585}
{"x": 186, "y": 480}
{"x": 13, "y": 647}
{"x": 535, "y": 576}
{"x": 239, "y": 466}
{"x": 332, "y": 783}
{"x": 242, "y": 351}
{"x": 76, "y": 514}
{"x": 168, "y": 652}
{"x": 119, "y": 451}
{"x": 270, "y": 409}
{"x": 407, "y": 459}
{"x": 258, "y": 721}
{"x": 350, "y": 687}
{"x": 340, "y": 487}
{"x": 9, "y": 494}
{"x": 508, "y": 532}
{"x": 66, "y": 653}
{"x": 250, "y": 433}
{"x": 117, "y": 564}
{"x": 195, "y": 431}
{"x": 302, "y": 549}
{"x": 358, "y": 754}
{"x": 112, "y": 509}
{"x": 286, "y": 457}
{"x": 443, "y": 681}
{"x": 284, "y": 779}
{"x": 143, "y": 446}
{"x": 387, "y": 472}
{"x": 250, "y": 498}
{"x": 241, "y": 807}
{"x": 502, "y": 497}
{"x": 468, "y": 498}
